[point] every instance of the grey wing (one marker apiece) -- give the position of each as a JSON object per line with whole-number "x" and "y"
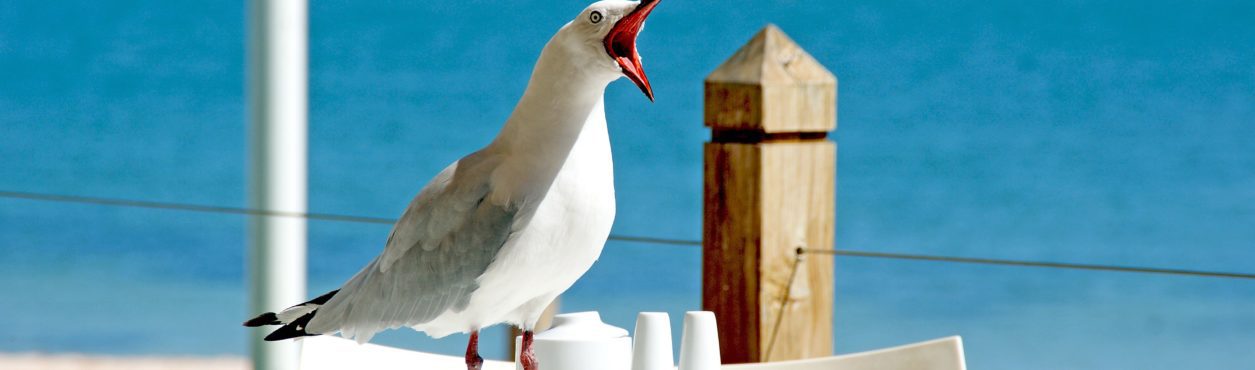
{"x": 446, "y": 239}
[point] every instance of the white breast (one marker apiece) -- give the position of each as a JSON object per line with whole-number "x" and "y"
{"x": 559, "y": 244}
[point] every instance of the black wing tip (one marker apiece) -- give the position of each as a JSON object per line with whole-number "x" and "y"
{"x": 286, "y": 333}
{"x": 270, "y": 318}
{"x": 264, "y": 319}
{"x": 295, "y": 329}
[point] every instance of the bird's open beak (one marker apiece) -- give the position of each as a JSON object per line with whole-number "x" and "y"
{"x": 621, "y": 45}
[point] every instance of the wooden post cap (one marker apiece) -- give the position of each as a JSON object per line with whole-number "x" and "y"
{"x": 771, "y": 86}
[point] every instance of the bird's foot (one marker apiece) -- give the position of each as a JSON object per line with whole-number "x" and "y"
{"x": 529, "y": 361}
{"x": 527, "y": 356}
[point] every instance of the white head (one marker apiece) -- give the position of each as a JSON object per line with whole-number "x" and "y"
{"x": 604, "y": 36}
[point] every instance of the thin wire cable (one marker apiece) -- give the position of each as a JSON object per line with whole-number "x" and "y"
{"x": 61, "y": 198}
{"x": 651, "y": 240}
{"x": 800, "y": 253}
{"x": 784, "y": 302}
{"x": 1057, "y": 265}
{"x": 189, "y": 207}
{"x": 117, "y": 202}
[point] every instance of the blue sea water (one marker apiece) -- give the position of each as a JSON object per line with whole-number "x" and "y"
{"x": 1108, "y": 132}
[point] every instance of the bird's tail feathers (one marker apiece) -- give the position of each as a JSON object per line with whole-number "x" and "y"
{"x": 294, "y": 320}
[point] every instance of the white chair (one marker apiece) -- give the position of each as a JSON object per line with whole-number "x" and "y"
{"x": 335, "y": 353}
{"x": 328, "y": 352}
{"x": 937, "y": 354}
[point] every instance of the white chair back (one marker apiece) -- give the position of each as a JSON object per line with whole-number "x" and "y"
{"x": 328, "y": 352}
{"x": 335, "y": 353}
{"x": 938, "y": 354}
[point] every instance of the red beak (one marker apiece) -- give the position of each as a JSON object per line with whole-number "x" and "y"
{"x": 621, "y": 45}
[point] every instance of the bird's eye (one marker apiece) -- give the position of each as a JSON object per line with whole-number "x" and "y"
{"x": 595, "y": 17}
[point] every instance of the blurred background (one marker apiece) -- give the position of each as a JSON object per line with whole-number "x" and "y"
{"x": 1104, "y": 132}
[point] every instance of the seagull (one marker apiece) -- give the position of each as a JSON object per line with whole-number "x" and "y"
{"x": 500, "y": 233}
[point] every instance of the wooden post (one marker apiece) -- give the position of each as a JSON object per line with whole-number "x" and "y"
{"x": 770, "y": 182}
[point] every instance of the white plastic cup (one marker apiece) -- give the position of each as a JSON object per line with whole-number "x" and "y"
{"x": 699, "y": 345}
{"x": 651, "y": 342}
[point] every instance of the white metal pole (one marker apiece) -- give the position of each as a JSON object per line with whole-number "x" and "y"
{"x": 278, "y": 49}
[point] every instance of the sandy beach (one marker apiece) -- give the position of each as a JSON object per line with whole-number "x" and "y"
{"x": 43, "y": 361}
